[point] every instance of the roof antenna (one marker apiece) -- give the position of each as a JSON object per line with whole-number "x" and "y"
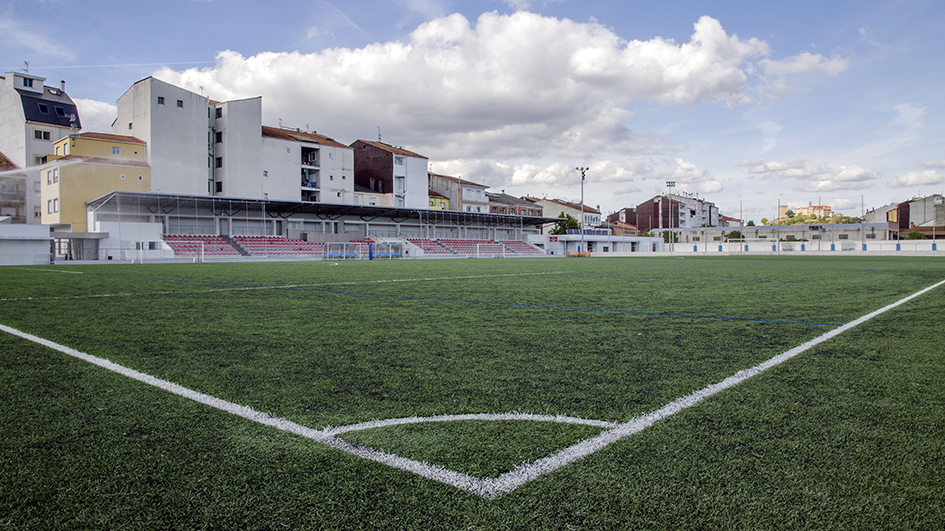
{"x": 378, "y": 134}
{"x": 27, "y": 67}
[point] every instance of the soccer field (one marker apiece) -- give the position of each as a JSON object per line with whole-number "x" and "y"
{"x": 605, "y": 393}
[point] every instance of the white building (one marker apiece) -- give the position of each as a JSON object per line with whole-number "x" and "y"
{"x": 33, "y": 117}
{"x": 695, "y": 212}
{"x": 298, "y": 165}
{"x": 198, "y": 146}
{"x": 177, "y": 127}
{"x": 553, "y": 208}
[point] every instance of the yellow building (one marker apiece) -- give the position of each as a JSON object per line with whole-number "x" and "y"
{"x": 439, "y": 201}
{"x": 87, "y": 166}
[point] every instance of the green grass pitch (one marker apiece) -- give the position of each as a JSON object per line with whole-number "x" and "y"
{"x": 846, "y": 435}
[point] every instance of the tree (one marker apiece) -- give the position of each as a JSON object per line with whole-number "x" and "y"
{"x": 764, "y": 221}
{"x": 734, "y": 235}
{"x": 789, "y": 213}
{"x": 916, "y": 235}
{"x": 567, "y": 222}
{"x": 751, "y": 222}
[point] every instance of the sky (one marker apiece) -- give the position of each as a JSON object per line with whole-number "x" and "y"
{"x": 746, "y": 104}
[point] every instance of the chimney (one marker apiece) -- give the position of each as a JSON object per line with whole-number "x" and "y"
{"x": 62, "y": 86}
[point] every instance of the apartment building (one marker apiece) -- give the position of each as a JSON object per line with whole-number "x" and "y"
{"x": 32, "y": 117}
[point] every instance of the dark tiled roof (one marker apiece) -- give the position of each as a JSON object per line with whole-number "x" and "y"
{"x": 58, "y": 107}
{"x": 575, "y": 206}
{"x": 457, "y": 180}
{"x": 300, "y": 136}
{"x": 111, "y": 137}
{"x": 506, "y": 199}
{"x": 6, "y": 164}
{"x": 433, "y": 193}
{"x": 390, "y": 148}
{"x": 104, "y": 161}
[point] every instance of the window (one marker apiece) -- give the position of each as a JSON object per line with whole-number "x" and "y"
{"x": 116, "y": 150}
{"x": 843, "y": 236}
{"x": 219, "y": 162}
{"x": 219, "y": 137}
{"x": 331, "y": 177}
{"x": 49, "y": 206}
{"x": 129, "y": 125}
{"x": 55, "y": 175}
{"x": 43, "y": 108}
{"x": 39, "y": 159}
{"x": 37, "y": 212}
{"x": 219, "y": 187}
{"x": 871, "y": 236}
{"x": 27, "y": 82}
{"x": 160, "y": 100}
{"x": 60, "y": 112}
{"x": 48, "y": 176}
{"x": 37, "y": 187}
{"x": 122, "y": 176}
{"x": 55, "y": 205}
{"x": 39, "y": 134}
{"x": 57, "y": 150}
{"x": 140, "y": 177}
{"x": 219, "y": 112}
{"x": 180, "y": 103}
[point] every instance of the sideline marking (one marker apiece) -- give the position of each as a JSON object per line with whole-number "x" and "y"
{"x": 490, "y": 487}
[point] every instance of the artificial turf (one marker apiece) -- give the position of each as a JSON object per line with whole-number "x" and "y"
{"x": 845, "y": 436}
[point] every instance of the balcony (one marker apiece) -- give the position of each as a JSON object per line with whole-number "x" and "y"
{"x": 309, "y": 178}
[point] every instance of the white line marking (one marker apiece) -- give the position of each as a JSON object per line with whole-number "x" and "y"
{"x": 490, "y": 487}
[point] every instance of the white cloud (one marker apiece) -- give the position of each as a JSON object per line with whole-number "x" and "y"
{"x": 96, "y": 116}
{"x": 918, "y": 178}
{"x": 690, "y": 177}
{"x": 509, "y": 86}
{"x": 814, "y": 177}
{"x": 909, "y": 116}
{"x": 932, "y": 164}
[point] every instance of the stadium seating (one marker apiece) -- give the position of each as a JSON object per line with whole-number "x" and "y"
{"x": 194, "y": 244}
{"x": 279, "y": 246}
{"x": 521, "y": 247}
{"x": 429, "y": 246}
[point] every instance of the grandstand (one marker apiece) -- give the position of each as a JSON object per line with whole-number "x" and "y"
{"x": 196, "y": 244}
{"x": 520, "y": 247}
{"x": 278, "y": 245}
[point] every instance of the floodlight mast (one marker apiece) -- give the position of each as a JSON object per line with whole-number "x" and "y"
{"x": 670, "y": 185}
{"x": 583, "y": 171}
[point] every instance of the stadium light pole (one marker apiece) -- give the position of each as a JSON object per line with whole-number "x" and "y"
{"x": 583, "y": 171}
{"x": 670, "y": 185}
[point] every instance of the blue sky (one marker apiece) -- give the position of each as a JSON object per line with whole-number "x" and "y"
{"x": 743, "y": 103}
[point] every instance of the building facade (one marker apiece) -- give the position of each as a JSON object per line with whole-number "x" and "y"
{"x": 305, "y": 166}
{"x": 463, "y": 195}
{"x": 86, "y": 166}
{"x": 384, "y": 169}
{"x": 32, "y": 117}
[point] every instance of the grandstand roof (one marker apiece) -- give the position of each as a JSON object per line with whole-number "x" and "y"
{"x": 285, "y": 209}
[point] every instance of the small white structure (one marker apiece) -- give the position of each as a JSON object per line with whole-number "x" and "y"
{"x": 23, "y": 244}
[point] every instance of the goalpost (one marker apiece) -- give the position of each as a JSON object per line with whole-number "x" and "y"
{"x": 490, "y": 250}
